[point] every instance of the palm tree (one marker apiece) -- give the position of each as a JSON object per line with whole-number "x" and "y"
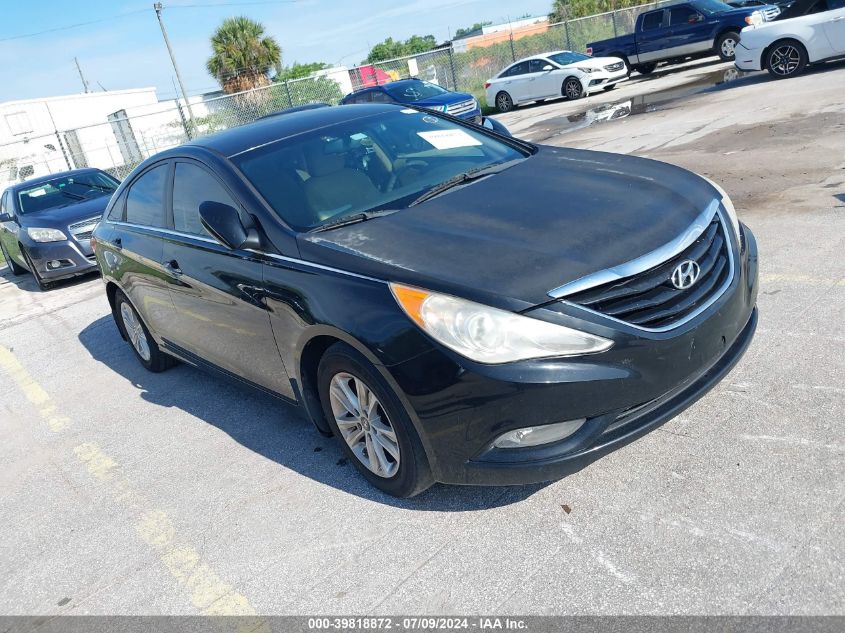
{"x": 242, "y": 55}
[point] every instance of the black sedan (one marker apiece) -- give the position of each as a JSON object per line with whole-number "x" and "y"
{"x": 46, "y": 223}
{"x": 452, "y": 304}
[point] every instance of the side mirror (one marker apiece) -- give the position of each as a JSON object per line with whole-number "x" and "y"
{"x": 5, "y": 217}
{"x": 548, "y": 67}
{"x": 224, "y": 223}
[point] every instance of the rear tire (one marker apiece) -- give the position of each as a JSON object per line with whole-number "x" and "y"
{"x": 504, "y": 102}
{"x": 786, "y": 58}
{"x": 726, "y": 46}
{"x": 136, "y": 333}
{"x": 397, "y": 464}
{"x": 16, "y": 268}
{"x": 572, "y": 88}
{"x": 645, "y": 69}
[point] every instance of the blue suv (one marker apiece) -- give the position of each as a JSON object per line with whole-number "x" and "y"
{"x": 420, "y": 93}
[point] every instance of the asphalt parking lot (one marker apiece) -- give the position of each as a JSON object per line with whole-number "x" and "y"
{"x": 135, "y": 493}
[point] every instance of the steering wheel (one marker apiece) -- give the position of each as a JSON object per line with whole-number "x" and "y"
{"x": 400, "y": 167}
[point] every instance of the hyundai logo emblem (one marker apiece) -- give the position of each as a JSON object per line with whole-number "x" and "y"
{"x": 685, "y": 274}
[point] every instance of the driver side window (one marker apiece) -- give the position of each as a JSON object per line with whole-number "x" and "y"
{"x": 536, "y": 65}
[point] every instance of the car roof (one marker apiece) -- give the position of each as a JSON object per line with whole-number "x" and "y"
{"x": 547, "y": 54}
{"x": 62, "y": 174}
{"x": 252, "y": 135}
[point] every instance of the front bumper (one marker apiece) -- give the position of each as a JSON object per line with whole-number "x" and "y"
{"x": 74, "y": 258}
{"x": 748, "y": 58}
{"x": 640, "y": 383}
{"x": 596, "y": 81}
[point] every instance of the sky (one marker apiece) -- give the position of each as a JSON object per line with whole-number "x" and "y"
{"x": 121, "y": 45}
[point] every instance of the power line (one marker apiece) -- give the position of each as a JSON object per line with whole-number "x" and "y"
{"x": 74, "y": 26}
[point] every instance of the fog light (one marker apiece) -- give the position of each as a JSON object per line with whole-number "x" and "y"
{"x": 54, "y": 264}
{"x": 536, "y": 435}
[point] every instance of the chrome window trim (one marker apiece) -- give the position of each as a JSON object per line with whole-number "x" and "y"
{"x": 733, "y": 241}
{"x": 282, "y": 258}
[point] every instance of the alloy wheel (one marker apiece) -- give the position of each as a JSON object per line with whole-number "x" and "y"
{"x": 135, "y": 331}
{"x": 573, "y": 89}
{"x": 728, "y": 47}
{"x": 504, "y": 103}
{"x": 785, "y": 60}
{"x": 364, "y": 424}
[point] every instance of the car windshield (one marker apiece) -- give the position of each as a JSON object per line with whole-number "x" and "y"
{"x": 711, "y": 7}
{"x": 381, "y": 161}
{"x": 410, "y": 91}
{"x": 64, "y": 191}
{"x": 568, "y": 57}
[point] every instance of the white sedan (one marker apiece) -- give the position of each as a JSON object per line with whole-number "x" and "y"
{"x": 549, "y": 75}
{"x": 807, "y": 32}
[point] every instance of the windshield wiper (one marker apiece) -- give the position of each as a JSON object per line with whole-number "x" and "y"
{"x": 72, "y": 196}
{"x": 91, "y": 185}
{"x": 352, "y": 219}
{"x": 462, "y": 178}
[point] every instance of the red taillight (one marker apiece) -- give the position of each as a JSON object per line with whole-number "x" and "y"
{"x": 93, "y": 243}
{"x": 486, "y": 85}
{"x": 590, "y": 51}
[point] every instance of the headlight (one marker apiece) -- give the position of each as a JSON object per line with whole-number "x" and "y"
{"x": 754, "y": 19}
{"x": 46, "y": 235}
{"x": 490, "y": 335}
{"x": 728, "y": 206}
{"x": 586, "y": 70}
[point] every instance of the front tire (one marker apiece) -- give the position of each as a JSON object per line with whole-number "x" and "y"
{"x": 726, "y": 46}
{"x": 785, "y": 59}
{"x": 136, "y": 333}
{"x": 371, "y": 424}
{"x": 572, "y": 89}
{"x": 504, "y": 102}
{"x": 16, "y": 268}
{"x": 645, "y": 69}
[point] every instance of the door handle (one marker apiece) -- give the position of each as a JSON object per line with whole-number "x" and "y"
{"x": 841, "y": 17}
{"x": 173, "y": 267}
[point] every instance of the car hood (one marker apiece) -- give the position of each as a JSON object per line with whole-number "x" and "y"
{"x": 447, "y": 98}
{"x": 510, "y": 238}
{"x": 596, "y": 62}
{"x": 63, "y": 216}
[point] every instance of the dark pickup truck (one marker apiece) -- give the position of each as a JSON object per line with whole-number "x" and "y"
{"x": 682, "y": 31}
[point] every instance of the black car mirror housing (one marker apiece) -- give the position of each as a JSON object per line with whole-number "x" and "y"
{"x": 5, "y": 217}
{"x": 224, "y": 223}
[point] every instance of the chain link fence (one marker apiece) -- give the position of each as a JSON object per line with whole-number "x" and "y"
{"x": 125, "y": 139}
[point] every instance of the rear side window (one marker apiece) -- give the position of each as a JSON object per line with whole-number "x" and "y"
{"x": 652, "y": 21}
{"x": 682, "y": 15}
{"x": 145, "y": 200}
{"x": 362, "y": 97}
{"x": 517, "y": 69}
{"x": 193, "y": 185}
{"x": 380, "y": 97}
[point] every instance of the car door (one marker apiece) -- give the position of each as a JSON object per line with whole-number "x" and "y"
{"x": 834, "y": 25}
{"x": 9, "y": 228}
{"x": 687, "y": 33}
{"x": 515, "y": 82}
{"x": 135, "y": 245}
{"x": 651, "y": 39}
{"x": 544, "y": 84}
{"x": 220, "y": 313}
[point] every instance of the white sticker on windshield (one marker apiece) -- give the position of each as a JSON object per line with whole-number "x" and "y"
{"x": 448, "y": 139}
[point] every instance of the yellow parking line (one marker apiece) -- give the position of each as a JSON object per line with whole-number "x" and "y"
{"x": 208, "y": 593}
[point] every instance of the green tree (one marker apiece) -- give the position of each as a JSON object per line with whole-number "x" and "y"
{"x": 298, "y": 71}
{"x": 390, "y": 48}
{"x": 242, "y": 55}
{"x": 475, "y": 27}
{"x": 569, "y": 9}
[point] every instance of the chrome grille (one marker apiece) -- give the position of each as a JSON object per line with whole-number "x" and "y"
{"x": 612, "y": 68}
{"x": 457, "y": 109}
{"x": 650, "y": 300}
{"x": 771, "y": 13}
{"x": 83, "y": 230}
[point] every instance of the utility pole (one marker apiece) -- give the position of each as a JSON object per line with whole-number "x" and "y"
{"x": 81, "y": 76}
{"x": 158, "y": 6}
